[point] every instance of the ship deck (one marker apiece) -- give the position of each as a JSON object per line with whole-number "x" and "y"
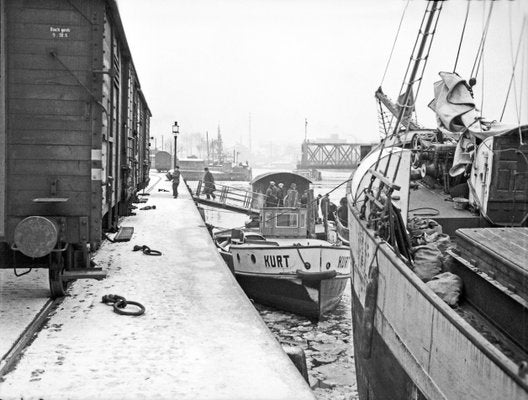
{"x": 433, "y": 203}
{"x": 492, "y": 265}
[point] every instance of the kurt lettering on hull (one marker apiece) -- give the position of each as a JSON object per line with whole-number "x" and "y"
{"x": 343, "y": 262}
{"x": 276, "y": 261}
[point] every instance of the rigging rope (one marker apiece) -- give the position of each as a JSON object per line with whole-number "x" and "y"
{"x": 462, "y": 36}
{"x": 478, "y": 56}
{"x": 512, "y": 78}
{"x": 394, "y": 43}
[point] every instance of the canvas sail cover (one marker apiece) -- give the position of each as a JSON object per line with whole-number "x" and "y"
{"x": 453, "y": 103}
{"x": 455, "y": 109}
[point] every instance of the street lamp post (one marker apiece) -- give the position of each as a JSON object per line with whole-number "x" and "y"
{"x": 175, "y": 132}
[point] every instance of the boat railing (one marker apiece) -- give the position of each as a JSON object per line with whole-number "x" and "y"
{"x": 382, "y": 215}
{"x": 229, "y": 196}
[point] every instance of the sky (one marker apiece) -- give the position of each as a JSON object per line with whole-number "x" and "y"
{"x": 271, "y": 64}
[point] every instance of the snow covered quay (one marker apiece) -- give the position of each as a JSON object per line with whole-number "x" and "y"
{"x": 200, "y": 337}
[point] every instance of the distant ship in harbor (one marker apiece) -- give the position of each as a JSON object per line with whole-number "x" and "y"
{"x": 192, "y": 169}
{"x": 224, "y": 167}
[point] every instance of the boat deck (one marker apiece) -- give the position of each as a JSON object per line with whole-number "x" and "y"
{"x": 434, "y": 204}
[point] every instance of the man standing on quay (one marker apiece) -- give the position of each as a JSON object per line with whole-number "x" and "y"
{"x": 175, "y": 176}
{"x": 209, "y": 186}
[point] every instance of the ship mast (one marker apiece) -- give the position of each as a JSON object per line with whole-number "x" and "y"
{"x": 411, "y": 82}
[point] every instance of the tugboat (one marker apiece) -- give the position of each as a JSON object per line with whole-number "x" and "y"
{"x": 281, "y": 263}
{"x": 433, "y": 319}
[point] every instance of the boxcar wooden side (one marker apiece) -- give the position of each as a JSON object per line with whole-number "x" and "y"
{"x": 2, "y": 123}
{"x": 74, "y": 125}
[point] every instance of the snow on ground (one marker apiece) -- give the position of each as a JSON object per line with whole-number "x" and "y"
{"x": 21, "y": 298}
{"x": 200, "y": 337}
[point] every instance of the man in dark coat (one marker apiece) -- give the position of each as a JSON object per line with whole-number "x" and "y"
{"x": 271, "y": 195}
{"x": 175, "y": 177}
{"x": 280, "y": 194}
{"x": 342, "y": 211}
{"x": 209, "y": 186}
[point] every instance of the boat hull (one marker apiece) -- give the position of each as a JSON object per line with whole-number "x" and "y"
{"x": 310, "y": 298}
{"x": 408, "y": 343}
{"x": 304, "y": 279}
{"x": 381, "y": 376}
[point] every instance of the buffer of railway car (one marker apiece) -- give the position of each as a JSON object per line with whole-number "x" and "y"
{"x": 74, "y": 134}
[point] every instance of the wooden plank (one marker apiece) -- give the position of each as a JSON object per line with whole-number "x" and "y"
{"x": 32, "y": 15}
{"x": 3, "y": 132}
{"x": 40, "y": 46}
{"x": 52, "y": 167}
{"x": 42, "y": 30}
{"x": 75, "y": 64}
{"x": 500, "y": 243}
{"x": 48, "y": 122}
{"x": 21, "y": 204}
{"x": 46, "y": 152}
{"x": 65, "y": 184}
{"x": 48, "y": 77}
{"x": 43, "y": 5}
{"x": 50, "y": 107}
{"x": 46, "y": 92}
{"x": 50, "y": 137}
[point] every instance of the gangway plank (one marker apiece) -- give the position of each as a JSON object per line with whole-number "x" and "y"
{"x": 229, "y": 198}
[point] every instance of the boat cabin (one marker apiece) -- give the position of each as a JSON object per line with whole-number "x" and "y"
{"x": 281, "y": 221}
{"x": 261, "y": 182}
{"x": 285, "y": 222}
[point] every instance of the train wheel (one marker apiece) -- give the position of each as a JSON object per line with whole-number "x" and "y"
{"x": 57, "y": 285}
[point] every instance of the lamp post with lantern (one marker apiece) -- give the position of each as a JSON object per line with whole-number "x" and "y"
{"x": 175, "y": 132}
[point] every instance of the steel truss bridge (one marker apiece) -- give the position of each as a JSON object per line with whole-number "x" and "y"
{"x": 332, "y": 155}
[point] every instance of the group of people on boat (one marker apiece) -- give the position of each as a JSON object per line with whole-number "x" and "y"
{"x": 277, "y": 197}
{"x": 331, "y": 211}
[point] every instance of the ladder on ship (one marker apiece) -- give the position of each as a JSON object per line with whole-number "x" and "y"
{"x": 228, "y": 198}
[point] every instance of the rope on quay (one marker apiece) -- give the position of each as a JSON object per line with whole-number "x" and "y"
{"x": 147, "y": 250}
{"x": 119, "y": 304}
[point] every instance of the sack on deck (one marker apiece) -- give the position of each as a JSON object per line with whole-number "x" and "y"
{"x": 427, "y": 261}
{"x": 447, "y": 286}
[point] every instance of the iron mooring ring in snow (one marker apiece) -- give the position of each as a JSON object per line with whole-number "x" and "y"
{"x": 120, "y": 303}
{"x": 147, "y": 250}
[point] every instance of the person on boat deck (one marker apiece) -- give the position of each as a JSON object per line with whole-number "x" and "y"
{"x": 175, "y": 177}
{"x": 271, "y": 195}
{"x": 292, "y": 197}
{"x": 209, "y": 186}
{"x": 280, "y": 194}
{"x": 304, "y": 199}
{"x": 324, "y": 205}
{"x": 332, "y": 209}
{"x": 342, "y": 211}
{"x": 318, "y": 217}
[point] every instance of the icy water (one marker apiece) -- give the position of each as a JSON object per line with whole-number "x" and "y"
{"x": 327, "y": 343}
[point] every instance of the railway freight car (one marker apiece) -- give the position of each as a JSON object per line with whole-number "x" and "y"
{"x": 162, "y": 161}
{"x": 74, "y": 133}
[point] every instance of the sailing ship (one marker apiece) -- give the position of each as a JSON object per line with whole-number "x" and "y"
{"x": 433, "y": 320}
{"x": 281, "y": 263}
